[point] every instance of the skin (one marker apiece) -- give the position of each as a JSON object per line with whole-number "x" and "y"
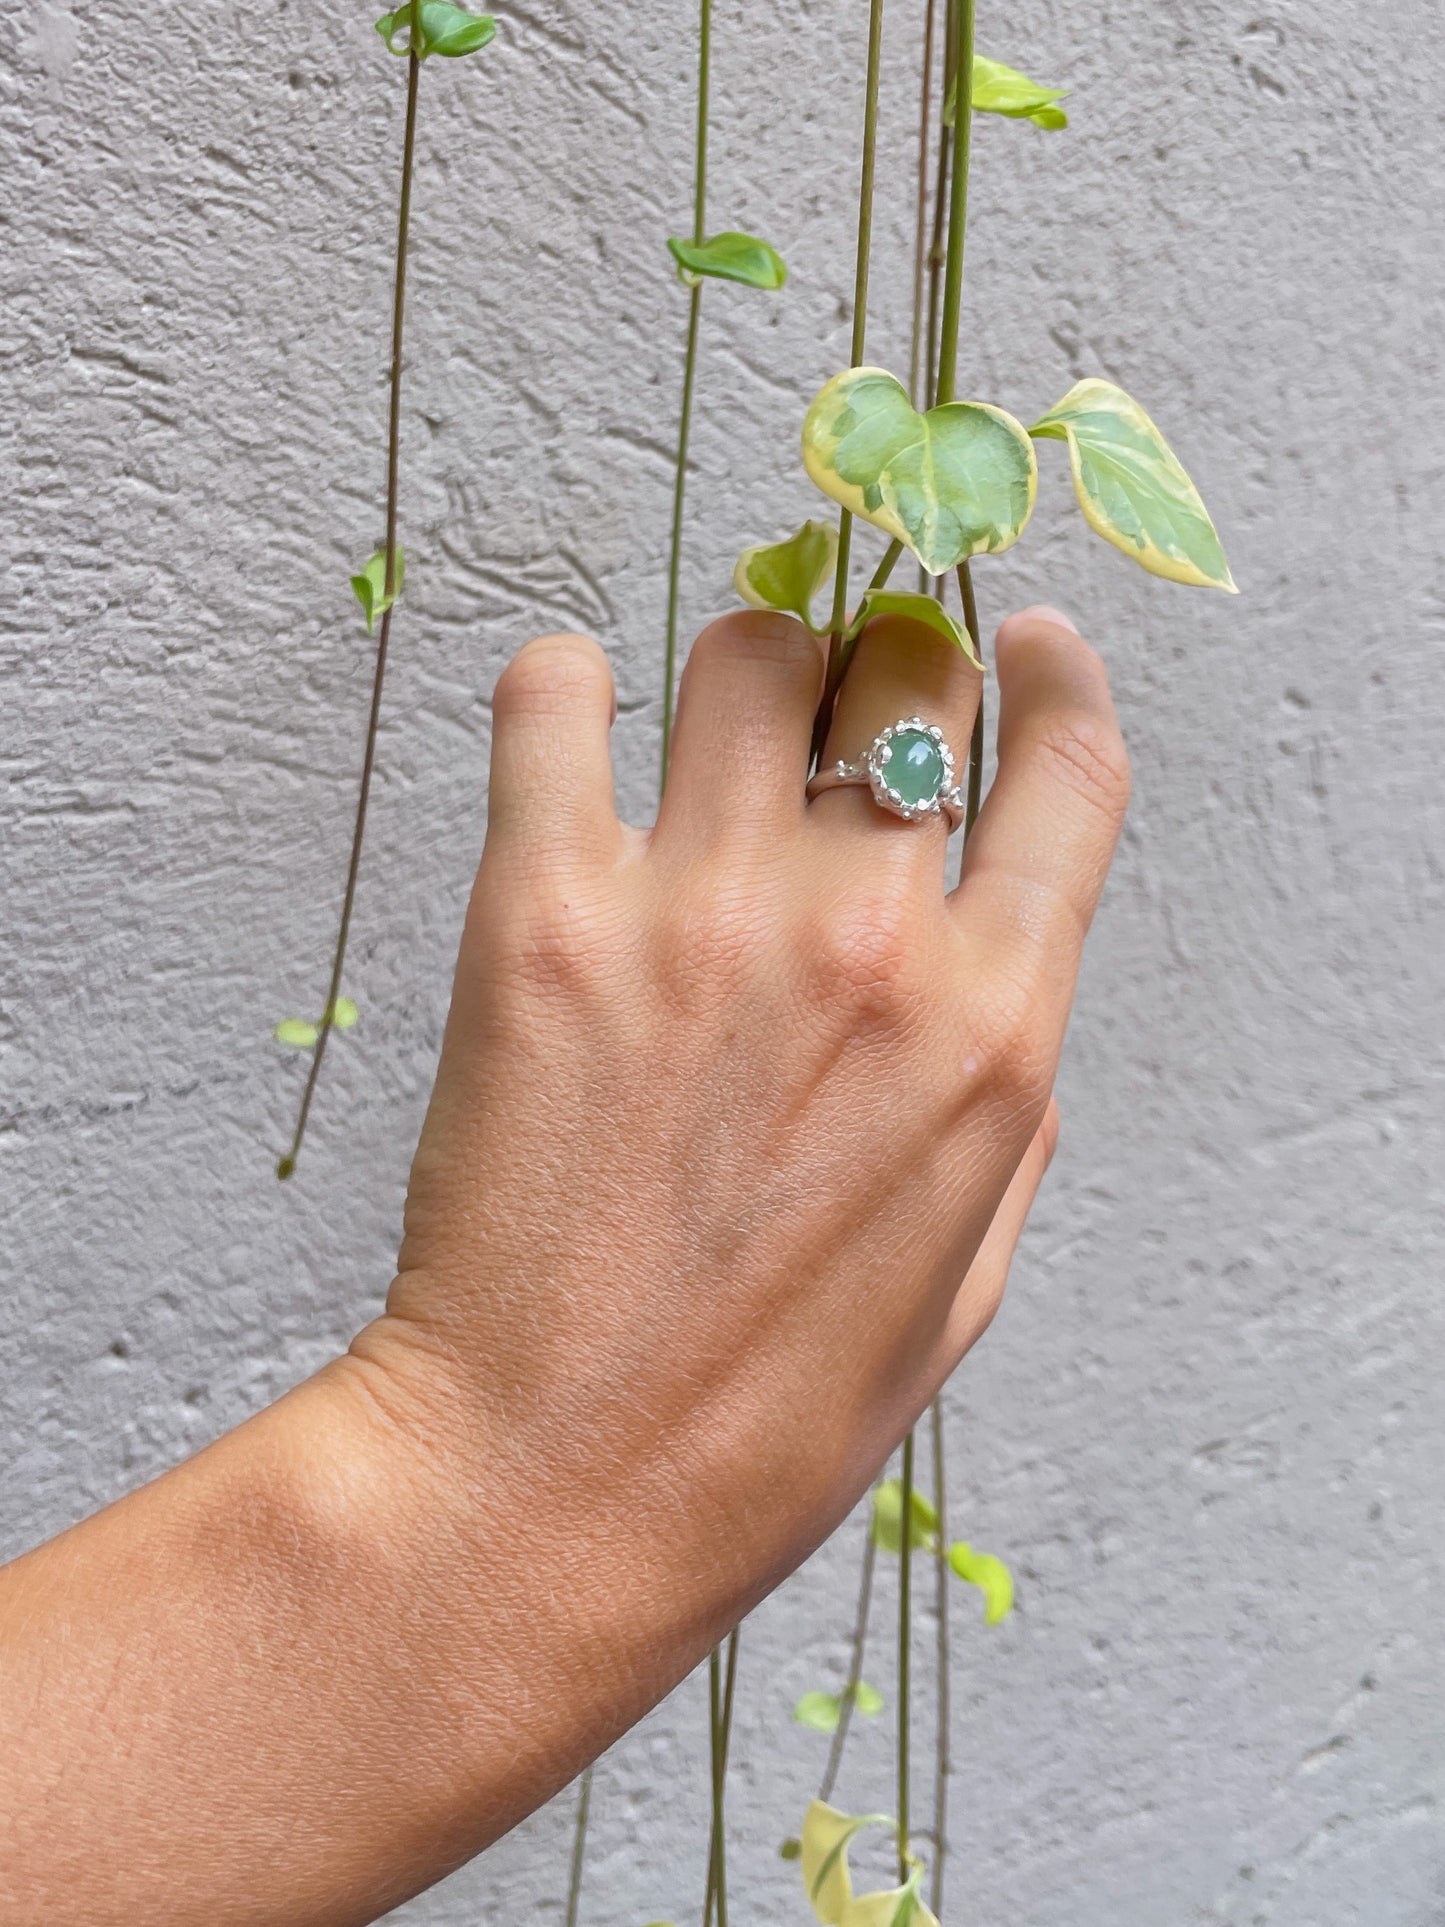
{"x": 734, "y": 1131}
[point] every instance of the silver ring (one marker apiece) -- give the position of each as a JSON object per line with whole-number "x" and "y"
{"x": 908, "y": 767}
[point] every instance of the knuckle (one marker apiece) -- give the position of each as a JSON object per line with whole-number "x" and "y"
{"x": 555, "y": 941}
{"x": 1013, "y": 1043}
{"x": 758, "y": 637}
{"x": 550, "y": 674}
{"x": 865, "y": 959}
{"x": 1087, "y": 753}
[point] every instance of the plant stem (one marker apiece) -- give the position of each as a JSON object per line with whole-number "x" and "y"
{"x": 962, "y": 63}
{"x": 855, "y": 1662}
{"x": 975, "y": 747}
{"x": 920, "y": 237}
{"x": 689, "y": 372}
{"x": 579, "y": 1846}
{"x": 862, "y": 260}
{"x": 287, "y": 1164}
{"x": 943, "y": 1764}
{"x": 905, "y": 1653}
{"x": 720, "y": 1720}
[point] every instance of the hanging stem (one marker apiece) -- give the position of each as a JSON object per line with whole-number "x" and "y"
{"x": 287, "y": 1164}
{"x": 721, "y": 1723}
{"x": 689, "y": 372}
{"x": 943, "y": 1764}
{"x": 962, "y": 64}
{"x": 839, "y": 619}
{"x": 579, "y": 1846}
{"x": 905, "y": 1654}
{"x": 855, "y": 1663}
{"x": 920, "y": 237}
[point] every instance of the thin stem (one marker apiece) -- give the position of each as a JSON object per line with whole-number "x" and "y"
{"x": 860, "y": 329}
{"x": 920, "y": 237}
{"x": 720, "y": 1721}
{"x": 579, "y": 1847}
{"x": 855, "y": 1663}
{"x": 957, "y": 199}
{"x": 943, "y": 1763}
{"x": 694, "y": 316}
{"x": 975, "y": 747}
{"x": 287, "y": 1164}
{"x": 838, "y": 670}
{"x": 905, "y": 1653}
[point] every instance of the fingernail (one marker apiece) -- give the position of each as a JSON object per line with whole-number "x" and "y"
{"x": 1051, "y": 614}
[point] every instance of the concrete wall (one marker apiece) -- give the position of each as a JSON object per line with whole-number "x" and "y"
{"x": 1207, "y": 1429}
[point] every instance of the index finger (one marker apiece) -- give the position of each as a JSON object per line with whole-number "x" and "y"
{"x": 1036, "y": 861}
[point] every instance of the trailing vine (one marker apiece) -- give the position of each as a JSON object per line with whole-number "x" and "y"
{"x": 945, "y": 480}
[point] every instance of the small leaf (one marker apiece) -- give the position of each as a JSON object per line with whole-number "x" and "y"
{"x": 369, "y": 587}
{"x": 791, "y": 1850}
{"x": 296, "y": 1031}
{"x": 787, "y": 575}
{"x": 1132, "y": 488}
{"x": 956, "y": 482}
{"x": 887, "y": 1525}
{"x": 990, "y": 1575}
{"x": 344, "y": 1014}
{"x": 445, "y": 29}
{"x": 921, "y": 608}
{"x": 821, "y": 1712}
{"x": 729, "y": 257}
{"x": 998, "y": 89}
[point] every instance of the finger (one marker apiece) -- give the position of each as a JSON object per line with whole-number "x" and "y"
{"x": 900, "y": 669}
{"x": 744, "y": 721}
{"x": 982, "y": 1290}
{"x": 1038, "y": 855}
{"x": 550, "y": 794}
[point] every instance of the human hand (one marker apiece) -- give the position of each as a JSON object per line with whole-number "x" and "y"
{"x": 737, "y": 1120}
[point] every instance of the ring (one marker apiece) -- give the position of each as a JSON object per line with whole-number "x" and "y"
{"x": 908, "y": 767}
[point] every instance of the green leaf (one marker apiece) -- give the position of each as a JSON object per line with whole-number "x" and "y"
{"x": 297, "y": 1032}
{"x": 344, "y": 1014}
{"x": 826, "y": 1835}
{"x": 787, "y": 575}
{"x": 821, "y": 1712}
{"x": 887, "y": 1527}
{"x": 898, "y": 1907}
{"x": 1132, "y": 488}
{"x": 998, "y": 89}
{"x": 791, "y": 1850}
{"x": 369, "y": 587}
{"x": 990, "y": 1575}
{"x": 445, "y": 29}
{"x": 956, "y": 482}
{"x": 921, "y": 608}
{"x": 729, "y": 257}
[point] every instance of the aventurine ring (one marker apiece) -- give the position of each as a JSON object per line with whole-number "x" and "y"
{"x": 908, "y": 767}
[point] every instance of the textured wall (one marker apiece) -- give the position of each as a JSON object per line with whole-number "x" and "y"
{"x": 1207, "y": 1427}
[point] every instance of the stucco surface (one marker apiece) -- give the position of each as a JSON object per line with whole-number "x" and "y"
{"x": 1207, "y": 1429}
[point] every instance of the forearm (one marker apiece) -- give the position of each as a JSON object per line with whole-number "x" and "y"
{"x": 302, "y": 1676}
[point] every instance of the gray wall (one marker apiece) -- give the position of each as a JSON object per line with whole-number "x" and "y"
{"x": 1206, "y": 1429}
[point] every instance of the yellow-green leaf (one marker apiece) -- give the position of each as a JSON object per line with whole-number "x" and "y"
{"x": 1132, "y": 487}
{"x": 998, "y": 89}
{"x": 729, "y": 257}
{"x": 990, "y": 1575}
{"x": 787, "y": 575}
{"x": 444, "y": 29}
{"x": 344, "y": 1014}
{"x": 897, "y": 1907}
{"x": 821, "y": 1712}
{"x": 826, "y": 1834}
{"x": 921, "y": 608}
{"x": 887, "y": 1524}
{"x": 369, "y": 587}
{"x": 956, "y": 482}
{"x": 296, "y": 1032}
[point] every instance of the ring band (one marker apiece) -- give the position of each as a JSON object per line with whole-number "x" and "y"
{"x": 909, "y": 768}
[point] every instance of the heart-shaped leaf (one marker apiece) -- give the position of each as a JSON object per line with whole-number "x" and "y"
{"x": 825, "y": 1839}
{"x": 955, "y": 482}
{"x": 444, "y": 29}
{"x": 887, "y": 1527}
{"x": 729, "y": 257}
{"x": 990, "y": 1575}
{"x": 998, "y": 89}
{"x": 1132, "y": 487}
{"x": 787, "y": 575}
{"x": 369, "y": 587}
{"x": 920, "y": 608}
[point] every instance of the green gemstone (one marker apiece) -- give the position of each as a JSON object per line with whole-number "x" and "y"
{"x": 913, "y": 766}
